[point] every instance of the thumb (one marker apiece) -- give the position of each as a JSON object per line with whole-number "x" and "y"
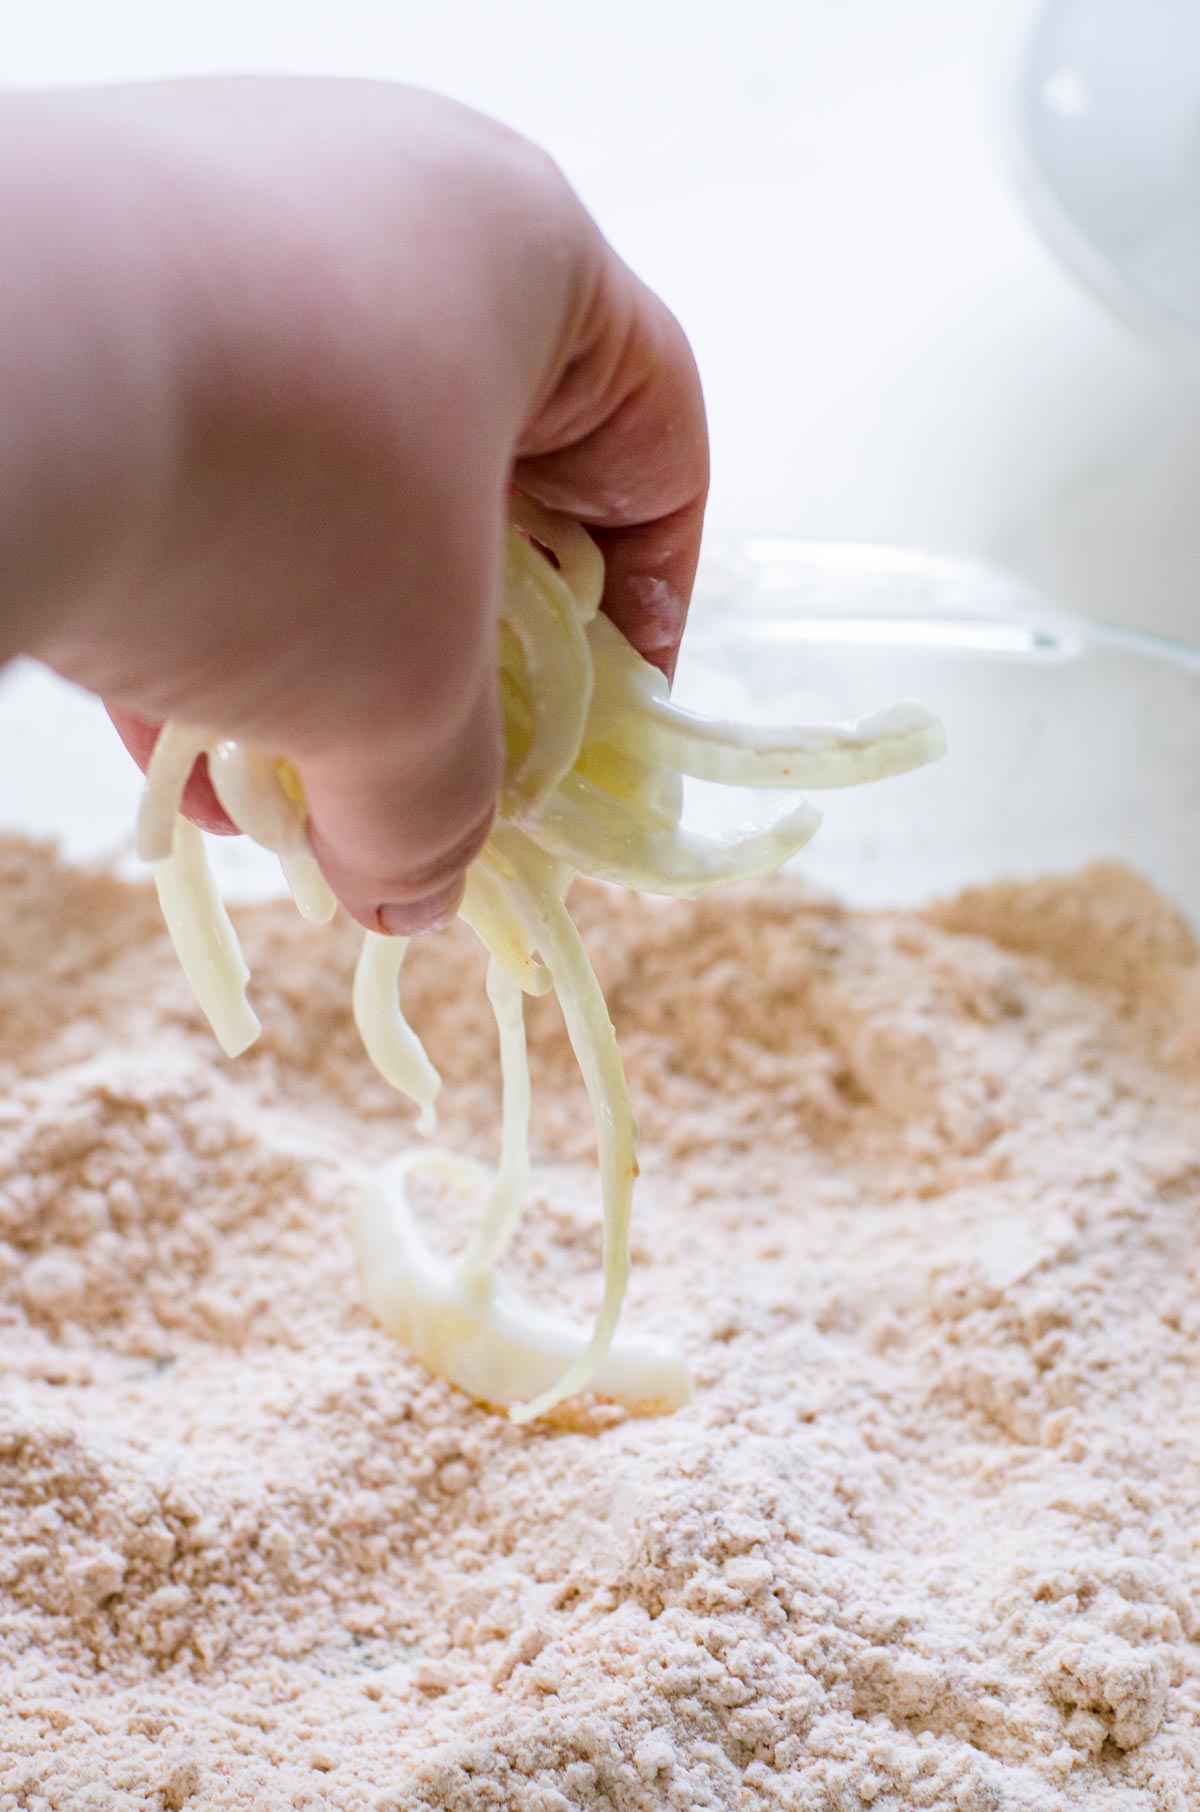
{"x": 394, "y": 820}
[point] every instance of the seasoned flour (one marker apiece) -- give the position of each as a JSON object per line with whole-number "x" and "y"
{"x": 921, "y": 1201}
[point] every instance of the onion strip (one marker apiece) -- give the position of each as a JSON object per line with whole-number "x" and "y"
{"x": 174, "y": 755}
{"x": 631, "y": 710}
{"x": 823, "y": 756}
{"x": 600, "y": 837}
{"x": 487, "y": 909}
{"x": 596, "y": 755}
{"x": 499, "y": 1349}
{"x": 594, "y": 1043}
{"x": 580, "y": 562}
{"x": 510, "y": 1186}
{"x": 250, "y": 788}
{"x": 205, "y": 940}
{"x": 390, "y": 1041}
{"x": 539, "y": 610}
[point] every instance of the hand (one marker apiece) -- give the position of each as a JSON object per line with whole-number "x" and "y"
{"x": 273, "y": 352}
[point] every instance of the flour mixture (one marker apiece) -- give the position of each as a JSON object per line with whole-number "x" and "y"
{"x": 920, "y": 1201}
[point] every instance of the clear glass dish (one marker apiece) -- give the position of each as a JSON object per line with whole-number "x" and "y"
{"x": 1068, "y": 741}
{"x": 1099, "y": 118}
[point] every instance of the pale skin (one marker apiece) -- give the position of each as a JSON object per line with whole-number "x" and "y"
{"x": 272, "y": 354}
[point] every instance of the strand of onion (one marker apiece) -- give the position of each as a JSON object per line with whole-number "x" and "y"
{"x": 510, "y": 1186}
{"x": 205, "y": 940}
{"x": 580, "y": 564}
{"x": 174, "y": 755}
{"x": 390, "y": 1041}
{"x": 634, "y": 713}
{"x": 535, "y": 884}
{"x": 250, "y": 788}
{"x": 598, "y": 836}
{"x": 487, "y": 909}
{"x": 541, "y": 614}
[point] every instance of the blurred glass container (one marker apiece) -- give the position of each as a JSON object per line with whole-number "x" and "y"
{"x": 1068, "y": 741}
{"x": 1102, "y": 122}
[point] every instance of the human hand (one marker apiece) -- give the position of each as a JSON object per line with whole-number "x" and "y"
{"x": 276, "y": 351}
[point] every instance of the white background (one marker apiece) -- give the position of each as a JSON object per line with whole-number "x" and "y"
{"x": 818, "y": 189}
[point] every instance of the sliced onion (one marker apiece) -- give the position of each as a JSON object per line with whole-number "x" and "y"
{"x": 476, "y": 1333}
{"x": 595, "y": 834}
{"x": 172, "y": 759}
{"x": 510, "y": 1187}
{"x": 590, "y": 1030}
{"x": 632, "y": 710}
{"x": 487, "y": 909}
{"x": 205, "y": 940}
{"x": 596, "y": 753}
{"x": 890, "y": 742}
{"x": 390, "y": 1041}
{"x": 250, "y": 786}
{"x": 557, "y": 679}
{"x": 580, "y": 562}
{"x": 652, "y": 793}
{"x": 314, "y": 897}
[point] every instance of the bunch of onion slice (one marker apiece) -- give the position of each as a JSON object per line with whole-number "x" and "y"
{"x": 597, "y": 752}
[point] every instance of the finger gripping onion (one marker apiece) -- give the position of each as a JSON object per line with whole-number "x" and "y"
{"x": 597, "y": 750}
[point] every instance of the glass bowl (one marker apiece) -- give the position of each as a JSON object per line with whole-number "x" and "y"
{"x": 1069, "y": 741}
{"x": 1100, "y": 119}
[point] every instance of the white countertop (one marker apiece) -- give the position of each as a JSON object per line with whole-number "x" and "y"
{"x": 816, "y": 187}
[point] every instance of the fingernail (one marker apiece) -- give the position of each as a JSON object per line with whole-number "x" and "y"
{"x": 405, "y": 918}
